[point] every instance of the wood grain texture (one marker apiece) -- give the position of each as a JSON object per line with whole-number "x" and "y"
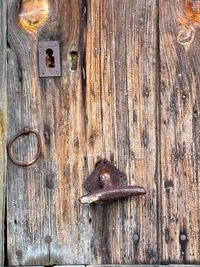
{"x": 71, "y": 265}
{"x": 139, "y": 265}
{"x": 121, "y": 265}
{"x": 180, "y": 128}
{"x": 3, "y": 126}
{"x": 110, "y": 114}
{"x": 44, "y": 104}
{"x": 107, "y": 104}
{"x": 27, "y": 196}
{"x": 106, "y": 108}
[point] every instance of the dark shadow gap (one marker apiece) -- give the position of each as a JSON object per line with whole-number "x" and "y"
{"x": 5, "y": 235}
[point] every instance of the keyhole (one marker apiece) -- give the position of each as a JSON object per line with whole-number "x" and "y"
{"x": 74, "y": 60}
{"x": 50, "y": 61}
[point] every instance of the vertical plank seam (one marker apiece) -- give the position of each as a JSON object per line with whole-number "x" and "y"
{"x": 158, "y": 140}
{"x": 3, "y": 123}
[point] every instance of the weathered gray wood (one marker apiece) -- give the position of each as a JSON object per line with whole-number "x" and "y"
{"x": 3, "y": 124}
{"x": 180, "y": 138}
{"x": 138, "y": 265}
{"x": 71, "y": 265}
{"x": 121, "y": 265}
{"x": 28, "y": 203}
{"x": 146, "y": 265}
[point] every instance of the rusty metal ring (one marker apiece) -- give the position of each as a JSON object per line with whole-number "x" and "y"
{"x": 25, "y": 131}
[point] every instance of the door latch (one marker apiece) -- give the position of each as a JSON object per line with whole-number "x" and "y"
{"x": 49, "y": 59}
{"x": 108, "y": 183}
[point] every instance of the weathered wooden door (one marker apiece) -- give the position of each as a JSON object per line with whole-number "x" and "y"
{"x": 129, "y": 93}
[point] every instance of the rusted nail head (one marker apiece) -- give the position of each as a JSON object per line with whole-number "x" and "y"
{"x": 19, "y": 253}
{"x": 48, "y": 239}
{"x": 136, "y": 237}
{"x": 26, "y": 130}
{"x": 183, "y": 237}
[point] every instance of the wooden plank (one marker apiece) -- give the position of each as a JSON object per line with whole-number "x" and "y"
{"x": 121, "y": 265}
{"x": 105, "y": 109}
{"x": 3, "y": 124}
{"x": 180, "y": 127}
{"x": 138, "y": 265}
{"x": 38, "y": 103}
{"x": 71, "y": 233}
{"x": 71, "y": 265}
{"x": 170, "y": 265}
{"x": 28, "y": 204}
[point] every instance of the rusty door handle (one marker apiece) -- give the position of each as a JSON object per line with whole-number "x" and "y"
{"x": 26, "y": 131}
{"x": 106, "y": 183}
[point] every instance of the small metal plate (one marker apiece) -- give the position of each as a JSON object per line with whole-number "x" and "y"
{"x": 93, "y": 183}
{"x": 49, "y": 50}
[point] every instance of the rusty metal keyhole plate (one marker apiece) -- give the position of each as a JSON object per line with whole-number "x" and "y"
{"x": 49, "y": 59}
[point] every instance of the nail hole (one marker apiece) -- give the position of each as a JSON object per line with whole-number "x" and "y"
{"x": 90, "y": 220}
{"x": 15, "y": 221}
{"x": 49, "y": 181}
{"x": 74, "y": 60}
{"x": 48, "y": 239}
{"x": 195, "y": 112}
{"x": 184, "y": 96}
{"x": 50, "y": 61}
{"x": 183, "y": 242}
{"x": 19, "y": 253}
